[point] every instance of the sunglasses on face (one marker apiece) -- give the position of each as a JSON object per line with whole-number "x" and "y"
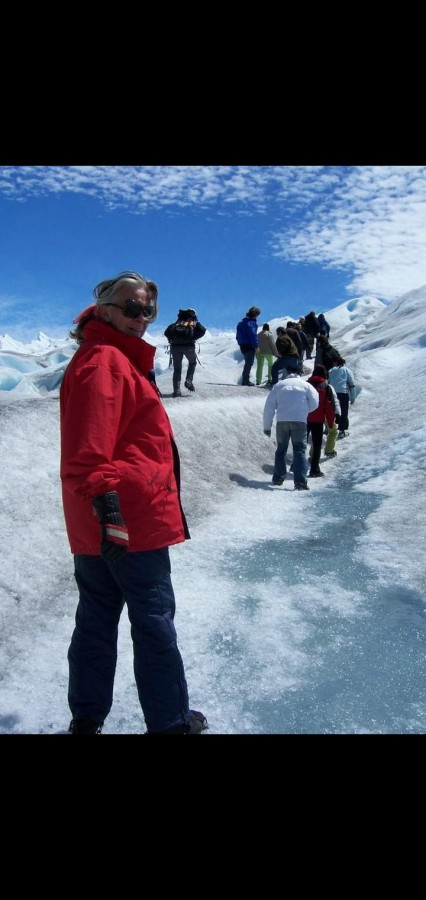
{"x": 131, "y": 309}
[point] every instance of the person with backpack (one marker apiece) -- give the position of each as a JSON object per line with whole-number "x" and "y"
{"x": 248, "y": 342}
{"x": 326, "y": 355}
{"x": 323, "y": 413}
{"x": 182, "y": 336}
{"x": 288, "y": 355}
{"x": 292, "y": 330}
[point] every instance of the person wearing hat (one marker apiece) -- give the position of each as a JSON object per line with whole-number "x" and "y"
{"x": 248, "y": 342}
{"x": 182, "y": 336}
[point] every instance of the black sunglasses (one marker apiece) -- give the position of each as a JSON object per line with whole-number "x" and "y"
{"x": 131, "y": 309}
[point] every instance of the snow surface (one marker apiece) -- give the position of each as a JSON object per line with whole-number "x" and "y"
{"x": 296, "y": 612}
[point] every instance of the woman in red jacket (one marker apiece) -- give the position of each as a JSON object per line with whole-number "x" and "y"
{"x": 121, "y": 500}
{"x": 323, "y": 413}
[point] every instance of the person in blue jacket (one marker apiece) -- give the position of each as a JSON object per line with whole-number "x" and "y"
{"x": 248, "y": 342}
{"x": 323, "y": 324}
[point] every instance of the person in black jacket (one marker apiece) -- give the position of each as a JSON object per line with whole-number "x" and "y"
{"x": 326, "y": 355}
{"x": 312, "y": 330}
{"x": 182, "y": 336}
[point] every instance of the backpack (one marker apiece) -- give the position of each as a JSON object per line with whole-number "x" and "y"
{"x": 186, "y": 314}
{"x": 180, "y": 333}
{"x": 331, "y": 397}
{"x": 286, "y": 346}
{"x": 329, "y": 355}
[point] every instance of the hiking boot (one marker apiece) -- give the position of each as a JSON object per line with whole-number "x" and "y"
{"x": 342, "y": 434}
{"x": 331, "y": 455}
{"x": 196, "y": 724}
{"x": 300, "y": 486}
{"x": 248, "y": 384}
{"x": 177, "y": 392}
{"x": 278, "y": 481}
{"x": 189, "y": 386}
{"x": 316, "y": 475}
{"x": 85, "y": 725}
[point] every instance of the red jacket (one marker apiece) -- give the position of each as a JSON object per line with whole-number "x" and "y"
{"x": 325, "y": 409}
{"x": 116, "y": 436}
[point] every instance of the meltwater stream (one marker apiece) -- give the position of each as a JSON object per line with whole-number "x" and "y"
{"x": 358, "y": 667}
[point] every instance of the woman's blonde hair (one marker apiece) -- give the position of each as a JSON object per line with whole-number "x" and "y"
{"x": 106, "y": 290}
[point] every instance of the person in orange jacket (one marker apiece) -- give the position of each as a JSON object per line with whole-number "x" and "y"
{"x": 121, "y": 499}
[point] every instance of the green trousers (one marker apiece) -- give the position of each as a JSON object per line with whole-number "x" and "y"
{"x": 259, "y": 369}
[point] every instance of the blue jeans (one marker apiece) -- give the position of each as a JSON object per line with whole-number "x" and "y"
{"x": 297, "y": 431}
{"x": 142, "y": 581}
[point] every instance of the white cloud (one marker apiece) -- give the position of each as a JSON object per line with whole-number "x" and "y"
{"x": 368, "y": 221}
{"x": 373, "y": 224}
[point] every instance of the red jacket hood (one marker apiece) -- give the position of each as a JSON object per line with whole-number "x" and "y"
{"x": 140, "y": 353}
{"x": 317, "y": 379}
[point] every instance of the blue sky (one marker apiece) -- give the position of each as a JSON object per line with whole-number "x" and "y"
{"x": 218, "y": 238}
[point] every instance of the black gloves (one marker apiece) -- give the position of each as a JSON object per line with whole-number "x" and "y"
{"x": 115, "y": 537}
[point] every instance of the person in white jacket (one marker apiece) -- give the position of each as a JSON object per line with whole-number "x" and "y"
{"x": 291, "y": 399}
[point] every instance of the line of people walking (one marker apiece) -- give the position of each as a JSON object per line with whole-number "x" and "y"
{"x": 292, "y": 344}
{"x": 302, "y": 408}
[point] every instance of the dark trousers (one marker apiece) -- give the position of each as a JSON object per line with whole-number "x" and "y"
{"x": 343, "y": 420}
{"x": 248, "y": 363}
{"x": 316, "y": 429}
{"x": 177, "y": 355}
{"x": 281, "y": 364}
{"x": 311, "y": 341}
{"x": 143, "y": 582}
